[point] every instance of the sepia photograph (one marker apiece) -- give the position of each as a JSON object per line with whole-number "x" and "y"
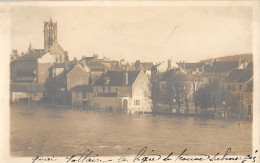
{"x": 130, "y": 82}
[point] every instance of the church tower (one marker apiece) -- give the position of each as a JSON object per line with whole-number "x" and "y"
{"x": 50, "y": 34}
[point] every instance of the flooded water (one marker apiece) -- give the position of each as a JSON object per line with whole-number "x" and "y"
{"x": 62, "y": 132}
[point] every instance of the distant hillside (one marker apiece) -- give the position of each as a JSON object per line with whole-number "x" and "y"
{"x": 248, "y": 57}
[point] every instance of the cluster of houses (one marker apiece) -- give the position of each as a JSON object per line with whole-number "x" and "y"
{"x": 47, "y": 75}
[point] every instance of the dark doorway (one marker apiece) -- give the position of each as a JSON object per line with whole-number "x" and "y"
{"x": 125, "y": 106}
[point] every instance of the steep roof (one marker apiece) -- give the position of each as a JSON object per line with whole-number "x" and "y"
{"x": 238, "y": 76}
{"x": 73, "y": 66}
{"x": 221, "y": 67}
{"x": 245, "y": 76}
{"x": 116, "y": 78}
{"x": 250, "y": 65}
{"x": 82, "y": 88}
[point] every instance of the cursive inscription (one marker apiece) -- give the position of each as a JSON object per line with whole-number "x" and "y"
{"x": 43, "y": 159}
{"x": 145, "y": 155}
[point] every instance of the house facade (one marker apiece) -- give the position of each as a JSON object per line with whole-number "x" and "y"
{"x": 239, "y": 82}
{"x": 79, "y": 74}
{"x": 81, "y": 95}
{"x": 122, "y": 91}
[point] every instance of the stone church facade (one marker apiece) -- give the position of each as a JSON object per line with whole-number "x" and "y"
{"x": 28, "y": 67}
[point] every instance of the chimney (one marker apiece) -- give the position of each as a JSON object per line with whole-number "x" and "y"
{"x": 125, "y": 78}
{"x": 169, "y": 64}
{"x": 95, "y": 56}
{"x": 211, "y": 62}
{"x": 75, "y": 60}
{"x": 137, "y": 65}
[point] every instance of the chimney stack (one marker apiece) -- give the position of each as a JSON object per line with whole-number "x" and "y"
{"x": 95, "y": 57}
{"x": 211, "y": 62}
{"x": 137, "y": 65}
{"x": 125, "y": 78}
{"x": 169, "y": 64}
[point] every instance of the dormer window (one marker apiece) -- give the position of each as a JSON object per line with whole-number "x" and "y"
{"x": 106, "y": 81}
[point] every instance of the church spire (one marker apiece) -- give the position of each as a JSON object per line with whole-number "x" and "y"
{"x": 30, "y": 47}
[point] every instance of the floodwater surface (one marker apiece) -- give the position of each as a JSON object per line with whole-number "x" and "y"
{"x": 62, "y": 132}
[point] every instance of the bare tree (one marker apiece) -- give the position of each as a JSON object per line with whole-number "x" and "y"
{"x": 176, "y": 90}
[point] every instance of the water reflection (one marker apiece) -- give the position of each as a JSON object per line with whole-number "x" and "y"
{"x": 60, "y": 132}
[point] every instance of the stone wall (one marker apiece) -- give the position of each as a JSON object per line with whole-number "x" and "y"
{"x": 43, "y": 72}
{"x": 77, "y": 76}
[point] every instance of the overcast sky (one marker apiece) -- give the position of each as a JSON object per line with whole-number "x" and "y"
{"x": 146, "y": 33}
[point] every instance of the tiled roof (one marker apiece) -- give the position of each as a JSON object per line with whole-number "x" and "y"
{"x": 221, "y": 67}
{"x": 82, "y": 88}
{"x": 116, "y": 78}
{"x": 238, "y": 76}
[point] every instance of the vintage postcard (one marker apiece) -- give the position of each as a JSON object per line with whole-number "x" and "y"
{"x": 128, "y": 81}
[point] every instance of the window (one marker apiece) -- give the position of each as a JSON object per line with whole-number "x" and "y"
{"x": 116, "y": 89}
{"x": 77, "y": 95}
{"x": 137, "y": 102}
{"x": 240, "y": 87}
{"x": 249, "y": 110}
{"x": 84, "y": 94}
{"x": 109, "y": 89}
{"x": 103, "y": 89}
